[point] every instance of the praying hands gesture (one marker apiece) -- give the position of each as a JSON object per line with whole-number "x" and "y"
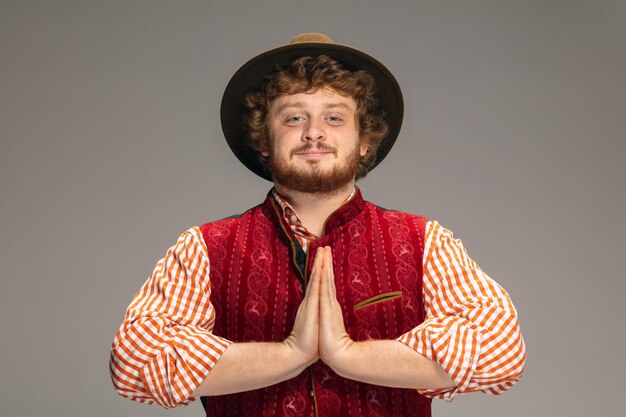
{"x": 319, "y": 333}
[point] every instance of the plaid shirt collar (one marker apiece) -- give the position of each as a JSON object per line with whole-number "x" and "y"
{"x": 303, "y": 235}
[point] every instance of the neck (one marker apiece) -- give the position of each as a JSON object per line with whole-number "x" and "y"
{"x": 314, "y": 209}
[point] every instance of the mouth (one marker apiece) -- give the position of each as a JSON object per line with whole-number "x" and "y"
{"x": 310, "y": 152}
{"x": 313, "y": 154}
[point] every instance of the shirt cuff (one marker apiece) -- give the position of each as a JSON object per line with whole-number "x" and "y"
{"x": 172, "y": 375}
{"x": 454, "y": 343}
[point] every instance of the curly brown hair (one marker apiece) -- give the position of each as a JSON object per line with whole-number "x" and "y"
{"x": 311, "y": 73}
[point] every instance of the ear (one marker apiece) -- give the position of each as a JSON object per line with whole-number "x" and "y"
{"x": 363, "y": 150}
{"x": 264, "y": 149}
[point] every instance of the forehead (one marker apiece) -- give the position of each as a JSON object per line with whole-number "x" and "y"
{"x": 319, "y": 98}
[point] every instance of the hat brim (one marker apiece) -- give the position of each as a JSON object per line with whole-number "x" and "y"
{"x": 252, "y": 74}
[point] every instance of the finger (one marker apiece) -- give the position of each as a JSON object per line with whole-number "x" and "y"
{"x": 325, "y": 288}
{"x": 310, "y": 303}
{"x": 316, "y": 268}
{"x": 331, "y": 272}
{"x": 329, "y": 275}
{"x": 311, "y": 298}
{"x": 318, "y": 261}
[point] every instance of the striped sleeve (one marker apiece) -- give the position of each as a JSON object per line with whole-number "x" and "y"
{"x": 165, "y": 348}
{"x": 471, "y": 326}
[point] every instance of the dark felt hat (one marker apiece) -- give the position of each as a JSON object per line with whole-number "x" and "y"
{"x": 251, "y": 75}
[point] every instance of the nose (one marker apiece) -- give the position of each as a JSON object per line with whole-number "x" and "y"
{"x": 314, "y": 131}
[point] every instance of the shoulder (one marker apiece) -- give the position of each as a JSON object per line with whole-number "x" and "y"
{"x": 420, "y": 224}
{"x": 218, "y": 230}
{"x": 445, "y": 248}
{"x": 232, "y": 219}
{"x": 434, "y": 233}
{"x": 189, "y": 245}
{"x": 440, "y": 235}
{"x": 394, "y": 214}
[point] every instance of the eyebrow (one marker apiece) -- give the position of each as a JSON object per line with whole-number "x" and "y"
{"x": 335, "y": 105}
{"x": 301, "y": 104}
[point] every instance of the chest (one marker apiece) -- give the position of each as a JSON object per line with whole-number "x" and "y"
{"x": 258, "y": 276}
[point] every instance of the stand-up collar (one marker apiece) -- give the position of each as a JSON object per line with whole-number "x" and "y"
{"x": 342, "y": 215}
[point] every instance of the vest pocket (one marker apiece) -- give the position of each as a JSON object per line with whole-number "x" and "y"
{"x": 377, "y": 299}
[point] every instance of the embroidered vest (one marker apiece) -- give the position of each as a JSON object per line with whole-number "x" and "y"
{"x": 258, "y": 273}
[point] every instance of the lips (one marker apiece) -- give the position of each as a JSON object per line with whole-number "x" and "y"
{"x": 309, "y": 152}
{"x": 313, "y": 153}
{"x": 313, "y": 156}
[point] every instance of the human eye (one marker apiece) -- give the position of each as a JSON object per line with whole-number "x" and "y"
{"x": 334, "y": 119}
{"x": 293, "y": 119}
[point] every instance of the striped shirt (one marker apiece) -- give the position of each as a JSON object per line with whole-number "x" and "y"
{"x": 165, "y": 346}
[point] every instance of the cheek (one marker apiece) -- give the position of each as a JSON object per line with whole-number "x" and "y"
{"x": 285, "y": 139}
{"x": 277, "y": 148}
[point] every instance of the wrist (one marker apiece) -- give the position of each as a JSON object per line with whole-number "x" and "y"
{"x": 293, "y": 354}
{"x": 341, "y": 359}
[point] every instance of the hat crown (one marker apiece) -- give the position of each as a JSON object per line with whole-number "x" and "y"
{"x": 311, "y": 38}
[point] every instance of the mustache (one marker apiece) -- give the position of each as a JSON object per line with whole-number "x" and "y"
{"x": 320, "y": 147}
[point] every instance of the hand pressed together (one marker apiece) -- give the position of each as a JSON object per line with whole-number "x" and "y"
{"x": 334, "y": 342}
{"x": 304, "y": 338}
{"x": 319, "y": 331}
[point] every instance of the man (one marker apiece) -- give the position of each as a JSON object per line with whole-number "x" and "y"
{"x": 315, "y": 302}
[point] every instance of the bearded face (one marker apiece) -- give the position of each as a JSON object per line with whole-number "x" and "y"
{"x": 314, "y": 144}
{"x": 310, "y": 176}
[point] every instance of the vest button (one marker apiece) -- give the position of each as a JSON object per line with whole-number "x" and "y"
{"x": 312, "y": 393}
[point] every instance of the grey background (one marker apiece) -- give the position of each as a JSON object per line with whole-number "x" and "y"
{"x": 111, "y": 146}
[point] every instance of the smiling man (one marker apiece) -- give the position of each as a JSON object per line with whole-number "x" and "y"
{"x": 315, "y": 302}
{"x": 318, "y": 127}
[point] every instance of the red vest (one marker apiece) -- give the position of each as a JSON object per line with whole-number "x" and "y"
{"x": 258, "y": 272}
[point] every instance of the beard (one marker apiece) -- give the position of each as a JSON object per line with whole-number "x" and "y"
{"x": 312, "y": 179}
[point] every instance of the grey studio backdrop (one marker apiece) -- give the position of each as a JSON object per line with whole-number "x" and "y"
{"x": 514, "y": 138}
